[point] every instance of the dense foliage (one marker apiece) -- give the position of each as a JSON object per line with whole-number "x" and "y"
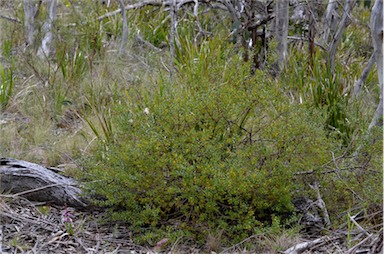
{"x": 215, "y": 152}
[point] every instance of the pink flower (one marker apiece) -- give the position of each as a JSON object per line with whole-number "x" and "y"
{"x": 66, "y": 216}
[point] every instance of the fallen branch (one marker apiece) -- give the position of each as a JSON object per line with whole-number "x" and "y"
{"x": 240, "y": 243}
{"x": 132, "y": 6}
{"x": 301, "y": 247}
{"x": 147, "y": 43}
{"x": 321, "y": 204}
{"x": 299, "y": 38}
{"x": 352, "y": 218}
{"x": 364, "y": 75}
{"x": 38, "y": 183}
{"x": 354, "y": 248}
{"x": 143, "y": 4}
{"x": 15, "y": 20}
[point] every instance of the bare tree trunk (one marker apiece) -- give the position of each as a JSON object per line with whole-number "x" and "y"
{"x": 46, "y": 46}
{"x": 330, "y": 21}
{"x": 237, "y": 28}
{"x": 31, "y": 8}
{"x": 125, "y": 28}
{"x": 337, "y": 38}
{"x": 235, "y": 15}
{"x": 173, "y": 11}
{"x": 364, "y": 75}
{"x": 311, "y": 34}
{"x": 196, "y": 14}
{"x": 256, "y": 63}
{"x": 377, "y": 40}
{"x": 281, "y": 30}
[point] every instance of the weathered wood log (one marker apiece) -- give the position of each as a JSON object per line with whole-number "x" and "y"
{"x": 38, "y": 183}
{"x": 301, "y": 247}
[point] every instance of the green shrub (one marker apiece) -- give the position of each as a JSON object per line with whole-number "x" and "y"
{"x": 215, "y": 152}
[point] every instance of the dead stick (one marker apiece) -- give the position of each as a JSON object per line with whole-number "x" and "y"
{"x": 34, "y": 190}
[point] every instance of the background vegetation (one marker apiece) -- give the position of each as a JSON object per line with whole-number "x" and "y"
{"x": 214, "y": 152}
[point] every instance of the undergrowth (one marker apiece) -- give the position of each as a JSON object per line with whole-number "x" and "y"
{"x": 215, "y": 153}
{"x": 214, "y": 157}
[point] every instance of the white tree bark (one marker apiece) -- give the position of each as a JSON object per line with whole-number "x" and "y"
{"x": 172, "y": 39}
{"x": 301, "y": 247}
{"x": 377, "y": 40}
{"x": 46, "y": 46}
{"x": 30, "y": 10}
{"x": 281, "y": 30}
{"x": 331, "y": 18}
{"x": 125, "y": 28}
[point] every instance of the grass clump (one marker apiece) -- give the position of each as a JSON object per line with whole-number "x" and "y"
{"x": 6, "y": 86}
{"x": 213, "y": 154}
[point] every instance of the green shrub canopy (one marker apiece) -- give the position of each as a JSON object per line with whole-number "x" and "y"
{"x": 215, "y": 152}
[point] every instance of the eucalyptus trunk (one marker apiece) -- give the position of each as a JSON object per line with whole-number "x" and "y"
{"x": 377, "y": 40}
{"x": 31, "y": 8}
{"x": 46, "y": 46}
{"x": 330, "y": 21}
{"x": 281, "y": 32}
{"x": 125, "y": 28}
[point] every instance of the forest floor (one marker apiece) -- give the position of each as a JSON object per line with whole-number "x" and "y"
{"x": 29, "y": 227}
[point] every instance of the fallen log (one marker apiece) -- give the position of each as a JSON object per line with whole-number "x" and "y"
{"x": 38, "y": 183}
